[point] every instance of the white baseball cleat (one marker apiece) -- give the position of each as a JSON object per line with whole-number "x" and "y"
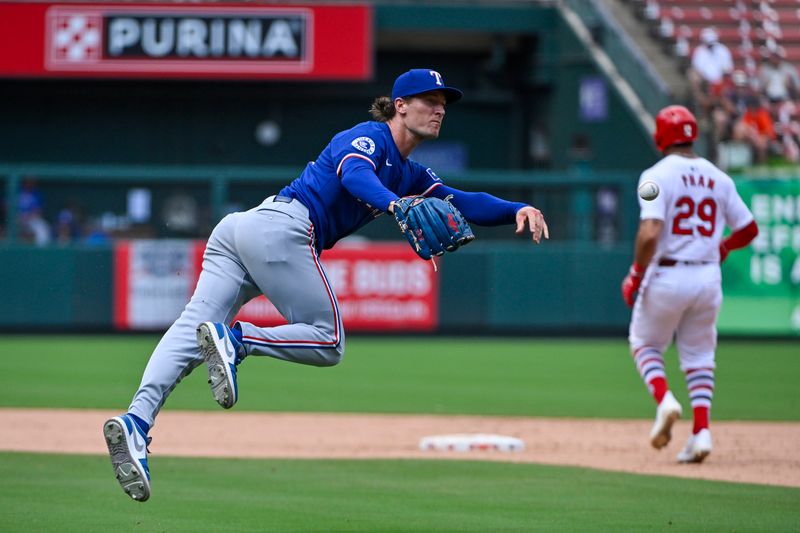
{"x": 697, "y": 449}
{"x": 127, "y": 446}
{"x": 220, "y": 351}
{"x": 668, "y": 411}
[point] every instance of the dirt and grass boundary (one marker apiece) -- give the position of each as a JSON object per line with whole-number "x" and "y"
{"x": 744, "y": 452}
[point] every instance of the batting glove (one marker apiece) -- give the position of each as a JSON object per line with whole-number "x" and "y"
{"x": 631, "y": 283}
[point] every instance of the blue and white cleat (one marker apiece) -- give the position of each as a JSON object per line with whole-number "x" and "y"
{"x": 220, "y": 350}
{"x": 127, "y": 446}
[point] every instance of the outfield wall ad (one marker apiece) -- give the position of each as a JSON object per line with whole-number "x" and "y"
{"x": 762, "y": 281}
{"x": 379, "y": 286}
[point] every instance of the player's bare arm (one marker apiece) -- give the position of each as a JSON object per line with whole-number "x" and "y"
{"x": 533, "y": 219}
{"x": 645, "y": 248}
{"x": 646, "y": 241}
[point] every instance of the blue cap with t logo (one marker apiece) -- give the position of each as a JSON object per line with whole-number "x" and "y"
{"x": 422, "y": 80}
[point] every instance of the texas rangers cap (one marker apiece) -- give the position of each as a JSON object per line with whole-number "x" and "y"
{"x": 422, "y": 80}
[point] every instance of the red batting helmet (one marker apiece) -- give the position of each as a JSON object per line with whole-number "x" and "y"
{"x": 674, "y": 125}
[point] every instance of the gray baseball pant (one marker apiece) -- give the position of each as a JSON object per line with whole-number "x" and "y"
{"x": 268, "y": 249}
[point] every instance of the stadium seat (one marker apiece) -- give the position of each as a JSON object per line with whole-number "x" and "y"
{"x": 746, "y": 27}
{"x": 750, "y": 29}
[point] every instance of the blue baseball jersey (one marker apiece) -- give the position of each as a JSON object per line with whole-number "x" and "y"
{"x": 333, "y": 210}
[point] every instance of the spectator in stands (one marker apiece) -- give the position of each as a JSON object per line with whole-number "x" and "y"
{"x": 68, "y": 224}
{"x": 732, "y": 105}
{"x": 788, "y": 130}
{"x": 778, "y": 78}
{"x": 180, "y": 215}
{"x": 95, "y": 230}
{"x": 95, "y": 234}
{"x": 33, "y": 227}
{"x": 711, "y": 60}
{"x": 757, "y": 128}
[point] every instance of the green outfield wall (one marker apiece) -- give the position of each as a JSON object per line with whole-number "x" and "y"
{"x": 499, "y": 284}
{"x": 55, "y": 288}
{"x": 762, "y": 282}
{"x": 485, "y": 288}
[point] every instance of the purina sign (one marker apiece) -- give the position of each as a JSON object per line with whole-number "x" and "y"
{"x": 163, "y": 39}
{"x": 176, "y": 40}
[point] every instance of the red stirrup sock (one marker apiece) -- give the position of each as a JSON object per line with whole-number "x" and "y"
{"x": 658, "y": 388}
{"x": 700, "y": 419}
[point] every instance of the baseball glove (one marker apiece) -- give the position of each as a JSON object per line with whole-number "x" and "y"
{"x": 431, "y": 225}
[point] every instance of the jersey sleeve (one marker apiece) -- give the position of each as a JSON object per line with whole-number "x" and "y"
{"x": 421, "y": 180}
{"x": 479, "y": 207}
{"x": 359, "y": 143}
{"x": 361, "y": 181}
{"x": 737, "y": 214}
{"x": 657, "y": 207}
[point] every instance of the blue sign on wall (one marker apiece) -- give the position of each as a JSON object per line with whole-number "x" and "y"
{"x": 593, "y": 96}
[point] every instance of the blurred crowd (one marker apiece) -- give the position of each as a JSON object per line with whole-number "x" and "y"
{"x": 67, "y": 224}
{"x": 52, "y": 216}
{"x": 70, "y": 224}
{"x": 758, "y": 107}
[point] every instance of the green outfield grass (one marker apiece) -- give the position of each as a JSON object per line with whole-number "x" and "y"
{"x": 528, "y": 377}
{"x": 78, "y": 493}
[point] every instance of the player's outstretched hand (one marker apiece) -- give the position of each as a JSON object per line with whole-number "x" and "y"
{"x": 532, "y": 218}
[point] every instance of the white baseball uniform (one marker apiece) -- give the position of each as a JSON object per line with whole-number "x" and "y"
{"x": 682, "y": 293}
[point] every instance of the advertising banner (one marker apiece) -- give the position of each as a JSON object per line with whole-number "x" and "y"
{"x": 761, "y": 283}
{"x": 186, "y": 40}
{"x": 153, "y": 280}
{"x": 379, "y": 286}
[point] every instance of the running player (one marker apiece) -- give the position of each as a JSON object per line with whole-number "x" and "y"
{"x": 676, "y": 271}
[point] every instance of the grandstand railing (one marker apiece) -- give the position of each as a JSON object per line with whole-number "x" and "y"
{"x": 651, "y": 89}
{"x": 568, "y": 199}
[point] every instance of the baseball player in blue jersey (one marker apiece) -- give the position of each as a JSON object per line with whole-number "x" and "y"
{"x": 274, "y": 249}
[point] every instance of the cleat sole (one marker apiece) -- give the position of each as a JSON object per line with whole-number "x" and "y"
{"x": 217, "y": 377}
{"x": 132, "y": 481}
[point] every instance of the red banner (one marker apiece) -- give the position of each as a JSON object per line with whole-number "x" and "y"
{"x": 380, "y": 287}
{"x": 212, "y": 41}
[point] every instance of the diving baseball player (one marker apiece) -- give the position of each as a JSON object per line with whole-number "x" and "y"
{"x": 274, "y": 249}
{"x": 676, "y": 271}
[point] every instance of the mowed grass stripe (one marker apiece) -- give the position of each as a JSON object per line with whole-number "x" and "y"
{"x": 78, "y": 493}
{"x": 485, "y": 376}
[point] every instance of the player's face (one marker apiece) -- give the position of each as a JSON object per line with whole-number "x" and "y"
{"x": 424, "y": 114}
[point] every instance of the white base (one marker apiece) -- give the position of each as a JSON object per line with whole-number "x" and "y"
{"x": 471, "y": 442}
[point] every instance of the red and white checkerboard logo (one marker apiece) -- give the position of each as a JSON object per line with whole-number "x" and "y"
{"x": 76, "y": 37}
